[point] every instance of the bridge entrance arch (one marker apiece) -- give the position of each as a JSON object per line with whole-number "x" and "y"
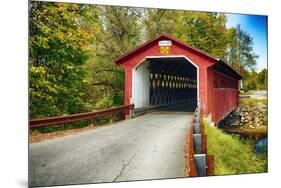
{"x": 160, "y": 81}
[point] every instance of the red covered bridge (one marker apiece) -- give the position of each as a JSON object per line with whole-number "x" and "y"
{"x": 165, "y": 71}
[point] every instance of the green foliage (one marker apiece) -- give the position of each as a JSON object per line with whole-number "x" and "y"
{"x": 232, "y": 56}
{"x": 105, "y": 81}
{"x": 262, "y": 79}
{"x": 157, "y": 21}
{"x": 240, "y": 55}
{"x": 104, "y": 102}
{"x": 245, "y": 49}
{"x": 249, "y": 101}
{"x": 232, "y": 154}
{"x": 59, "y": 37}
{"x": 206, "y": 31}
{"x": 255, "y": 81}
{"x": 121, "y": 30}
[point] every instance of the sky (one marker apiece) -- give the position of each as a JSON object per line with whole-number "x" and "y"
{"x": 256, "y": 26}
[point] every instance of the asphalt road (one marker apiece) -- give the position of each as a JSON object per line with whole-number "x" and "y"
{"x": 258, "y": 94}
{"x": 146, "y": 147}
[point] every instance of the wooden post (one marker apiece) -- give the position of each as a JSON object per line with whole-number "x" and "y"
{"x": 110, "y": 118}
{"x": 210, "y": 165}
{"x": 62, "y": 126}
{"x": 130, "y": 112}
{"x": 92, "y": 122}
{"x": 192, "y": 170}
{"x": 204, "y": 144}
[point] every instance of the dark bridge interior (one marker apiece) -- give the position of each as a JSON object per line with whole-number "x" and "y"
{"x": 172, "y": 80}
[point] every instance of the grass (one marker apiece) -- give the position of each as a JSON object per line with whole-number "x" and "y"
{"x": 232, "y": 154}
{"x": 251, "y": 100}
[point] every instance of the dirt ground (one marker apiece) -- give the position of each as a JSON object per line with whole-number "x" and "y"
{"x": 186, "y": 156}
{"x": 36, "y": 136}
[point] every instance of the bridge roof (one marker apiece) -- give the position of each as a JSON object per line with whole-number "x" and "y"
{"x": 219, "y": 63}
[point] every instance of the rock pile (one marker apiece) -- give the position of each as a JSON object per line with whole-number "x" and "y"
{"x": 252, "y": 115}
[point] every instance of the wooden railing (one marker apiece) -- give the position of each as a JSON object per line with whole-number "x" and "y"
{"x": 191, "y": 162}
{"x": 61, "y": 120}
{"x": 200, "y": 163}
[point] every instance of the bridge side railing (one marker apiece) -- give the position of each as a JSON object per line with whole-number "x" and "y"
{"x": 61, "y": 120}
{"x": 200, "y": 163}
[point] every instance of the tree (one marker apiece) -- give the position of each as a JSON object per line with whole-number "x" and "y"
{"x": 246, "y": 56}
{"x": 120, "y": 33}
{"x": 250, "y": 80}
{"x": 262, "y": 79}
{"x": 206, "y": 31}
{"x": 59, "y": 38}
{"x": 157, "y": 21}
{"x": 231, "y": 56}
{"x": 254, "y": 80}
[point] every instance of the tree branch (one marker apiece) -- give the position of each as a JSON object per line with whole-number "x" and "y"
{"x": 103, "y": 84}
{"x": 109, "y": 70}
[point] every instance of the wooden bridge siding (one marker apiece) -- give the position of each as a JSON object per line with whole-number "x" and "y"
{"x": 210, "y": 91}
{"x": 152, "y": 49}
{"x": 221, "y": 101}
{"x": 128, "y": 86}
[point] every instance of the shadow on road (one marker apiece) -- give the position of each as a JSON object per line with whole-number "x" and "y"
{"x": 179, "y": 108}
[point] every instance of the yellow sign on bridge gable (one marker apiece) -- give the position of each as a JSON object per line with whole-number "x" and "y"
{"x": 164, "y": 49}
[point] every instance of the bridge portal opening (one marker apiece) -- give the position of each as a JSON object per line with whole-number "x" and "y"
{"x": 160, "y": 82}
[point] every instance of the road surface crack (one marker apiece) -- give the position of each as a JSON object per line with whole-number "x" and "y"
{"x": 123, "y": 168}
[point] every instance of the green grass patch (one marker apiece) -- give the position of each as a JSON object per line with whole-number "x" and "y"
{"x": 233, "y": 155}
{"x": 251, "y": 100}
